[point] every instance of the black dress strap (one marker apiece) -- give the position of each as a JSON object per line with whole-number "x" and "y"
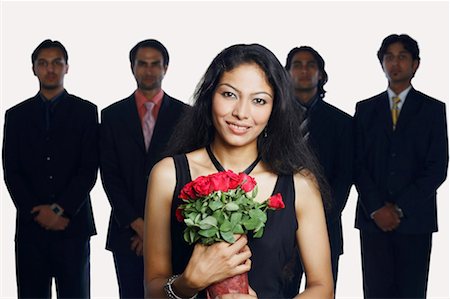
{"x": 219, "y": 166}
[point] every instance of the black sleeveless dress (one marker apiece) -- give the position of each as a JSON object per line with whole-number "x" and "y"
{"x": 274, "y": 256}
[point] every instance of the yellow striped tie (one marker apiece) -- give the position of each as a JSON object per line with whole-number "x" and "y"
{"x": 394, "y": 111}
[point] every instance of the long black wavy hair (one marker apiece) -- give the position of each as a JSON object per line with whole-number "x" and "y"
{"x": 282, "y": 146}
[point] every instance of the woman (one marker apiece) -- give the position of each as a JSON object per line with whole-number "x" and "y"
{"x": 244, "y": 109}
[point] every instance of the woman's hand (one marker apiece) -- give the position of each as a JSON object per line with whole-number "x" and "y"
{"x": 210, "y": 264}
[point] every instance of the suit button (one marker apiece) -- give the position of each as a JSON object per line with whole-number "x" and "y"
{"x": 50, "y": 177}
{"x": 392, "y": 173}
{"x": 393, "y": 155}
{"x": 390, "y": 192}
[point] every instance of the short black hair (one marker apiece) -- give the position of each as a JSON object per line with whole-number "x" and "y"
{"x": 150, "y": 43}
{"x": 408, "y": 43}
{"x": 46, "y": 44}
{"x": 320, "y": 63}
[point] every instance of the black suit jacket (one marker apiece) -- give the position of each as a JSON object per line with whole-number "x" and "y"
{"x": 125, "y": 164}
{"x": 331, "y": 138}
{"x": 404, "y": 166}
{"x": 57, "y": 165}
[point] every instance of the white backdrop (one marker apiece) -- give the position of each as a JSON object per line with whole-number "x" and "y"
{"x": 99, "y": 35}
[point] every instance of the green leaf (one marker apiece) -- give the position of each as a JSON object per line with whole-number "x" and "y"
{"x": 186, "y": 236}
{"x": 208, "y": 232}
{"x": 258, "y": 214}
{"x": 251, "y": 223}
{"x": 238, "y": 229}
{"x": 226, "y": 226}
{"x": 208, "y": 222}
{"x": 192, "y": 235}
{"x": 197, "y": 218}
{"x": 189, "y": 222}
{"x": 235, "y": 218}
{"x": 255, "y": 191}
{"x": 218, "y": 214}
{"x": 259, "y": 233}
{"x": 215, "y": 205}
{"x": 228, "y": 237}
{"x": 231, "y": 206}
{"x": 198, "y": 205}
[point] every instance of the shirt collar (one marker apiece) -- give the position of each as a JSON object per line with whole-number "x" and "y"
{"x": 401, "y": 95}
{"x": 141, "y": 99}
{"x": 310, "y": 104}
{"x": 53, "y": 101}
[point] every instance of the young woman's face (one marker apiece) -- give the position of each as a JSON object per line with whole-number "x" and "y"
{"x": 241, "y": 105}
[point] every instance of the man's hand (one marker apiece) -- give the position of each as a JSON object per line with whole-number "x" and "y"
{"x": 137, "y": 245}
{"x": 138, "y": 226}
{"x": 48, "y": 219}
{"x": 387, "y": 217}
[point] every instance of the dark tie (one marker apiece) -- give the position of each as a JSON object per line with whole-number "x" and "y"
{"x": 148, "y": 124}
{"x": 304, "y": 125}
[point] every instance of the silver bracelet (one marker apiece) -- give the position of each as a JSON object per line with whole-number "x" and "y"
{"x": 169, "y": 291}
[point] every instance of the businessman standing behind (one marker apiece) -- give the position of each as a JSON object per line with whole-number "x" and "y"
{"x": 134, "y": 135}
{"x": 329, "y": 133}
{"x": 50, "y": 161}
{"x": 401, "y": 160}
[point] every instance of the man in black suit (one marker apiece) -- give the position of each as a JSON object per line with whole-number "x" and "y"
{"x": 128, "y": 154}
{"x": 50, "y": 161}
{"x": 329, "y": 133}
{"x": 401, "y": 160}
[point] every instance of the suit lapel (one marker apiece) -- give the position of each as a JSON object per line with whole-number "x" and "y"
{"x": 318, "y": 124}
{"x": 37, "y": 114}
{"x": 384, "y": 112}
{"x": 61, "y": 117}
{"x": 409, "y": 110}
{"x": 132, "y": 122}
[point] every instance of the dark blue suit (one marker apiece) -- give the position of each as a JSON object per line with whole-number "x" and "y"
{"x": 404, "y": 166}
{"x": 331, "y": 139}
{"x": 125, "y": 167}
{"x": 46, "y": 163}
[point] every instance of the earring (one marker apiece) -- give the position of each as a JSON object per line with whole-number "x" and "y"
{"x": 265, "y": 132}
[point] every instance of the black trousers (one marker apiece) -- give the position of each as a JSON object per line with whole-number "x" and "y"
{"x": 395, "y": 265}
{"x": 38, "y": 260}
{"x": 130, "y": 275}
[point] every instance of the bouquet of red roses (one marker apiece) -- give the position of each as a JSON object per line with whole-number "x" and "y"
{"x": 220, "y": 205}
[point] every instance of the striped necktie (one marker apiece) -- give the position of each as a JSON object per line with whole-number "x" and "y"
{"x": 395, "y": 111}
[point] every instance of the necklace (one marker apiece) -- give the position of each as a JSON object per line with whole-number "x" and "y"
{"x": 219, "y": 167}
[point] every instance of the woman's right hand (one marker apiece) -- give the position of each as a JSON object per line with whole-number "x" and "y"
{"x": 210, "y": 264}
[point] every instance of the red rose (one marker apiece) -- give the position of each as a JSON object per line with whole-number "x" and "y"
{"x": 201, "y": 186}
{"x": 247, "y": 182}
{"x": 234, "y": 179}
{"x": 276, "y": 202}
{"x": 187, "y": 192}
{"x": 179, "y": 214}
{"x": 219, "y": 182}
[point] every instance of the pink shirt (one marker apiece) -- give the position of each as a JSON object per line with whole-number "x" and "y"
{"x": 141, "y": 100}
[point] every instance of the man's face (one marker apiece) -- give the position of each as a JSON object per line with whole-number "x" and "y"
{"x": 149, "y": 69}
{"x": 398, "y": 64}
{"x": 50, "y": 67}
{"x": 305, "y": 72}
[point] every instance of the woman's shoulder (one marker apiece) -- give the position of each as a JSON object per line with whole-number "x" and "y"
{"x": 163, "y": 170}
{"x": 306, "y": 184}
